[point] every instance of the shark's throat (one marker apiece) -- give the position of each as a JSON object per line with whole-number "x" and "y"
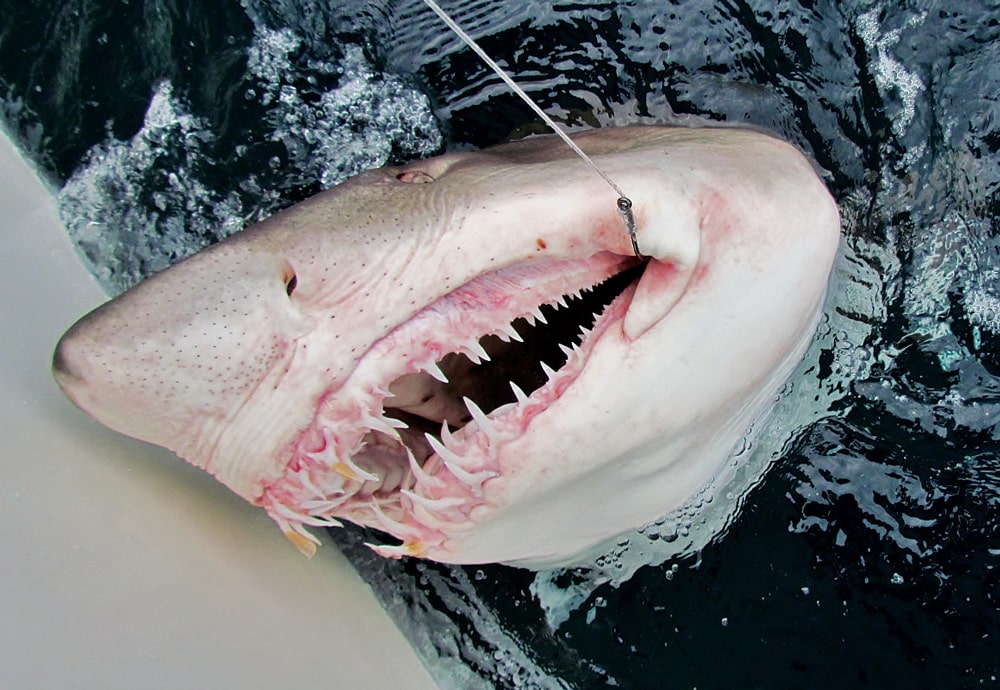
{"x": 409, "y": 443}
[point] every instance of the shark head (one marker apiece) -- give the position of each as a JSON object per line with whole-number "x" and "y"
{"x": 466, "y": 354}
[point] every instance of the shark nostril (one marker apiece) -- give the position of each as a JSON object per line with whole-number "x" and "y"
{"x": 414, "y": 177}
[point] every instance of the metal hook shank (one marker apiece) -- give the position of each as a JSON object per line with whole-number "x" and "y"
{"x": 625, "y": 210}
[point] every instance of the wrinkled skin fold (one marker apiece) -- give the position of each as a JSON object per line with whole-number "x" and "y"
{"x": 377, "y": 353}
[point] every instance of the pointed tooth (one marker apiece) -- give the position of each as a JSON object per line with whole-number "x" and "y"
{"x": 446, "y": 436}
{"x": 307, "y": 483}
{"x": 512, "y": 333}
{"x": 314, "y": 521}
{"x": 390, "y": 423}
{"x": 473, "y": 479}
{"x": 428, "y": 518}
{"x": 347, "y": 469}
{"x": 383, "y": 424}
{"x": 436, "y": 505}
{"x": 519, "y": 394}
{"x": 414, "y": 548}
{"x": 393, "y": 527}
{"x": 485, "y": 423}
{"x": 327, "y": 506}
{"x": 325, "y": 457}
{"x": 448, "y": 455}
{"x": 480, "y": 351}
{"x": 537, "y": 313}
{"x": 549, "y": 373}
{"x": 568, "y": 351}
{"x": 502, "y": 334}
{"x": 561, "y": 301}
{"x": 306, "y": 544}
{"x": 422, "y": 477}
{"x": 434, "y": 370}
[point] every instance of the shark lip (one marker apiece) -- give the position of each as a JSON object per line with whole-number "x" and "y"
{"x": 404, "y": 444}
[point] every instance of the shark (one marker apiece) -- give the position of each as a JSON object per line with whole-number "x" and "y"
{"x": 466, "y": 355}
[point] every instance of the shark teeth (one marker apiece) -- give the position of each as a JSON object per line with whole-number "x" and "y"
{"x": 341, "y": 464}
{"x": 474, "y": 480}
{"x": 396, "y": 552}
{"x": 449, "y": 456}
{"x": 421, "y": 476}
{"x": 387, "y": 425}
{"x": 534, "y": 315}
{"x": 519, "y": 395}
{"x": 548, "y": 371}
{"x": 482, "y": 421}
{"x": 434, "y": 370}
{"x": 394, "y": 527}
{"x": 436, "y": 505}
{"x": 476, "y": 353}
{"x": 461, "y": 467}
{"x": 508, "y": 333}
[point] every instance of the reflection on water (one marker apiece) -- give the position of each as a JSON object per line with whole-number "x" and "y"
{"x": 868, "y": 554}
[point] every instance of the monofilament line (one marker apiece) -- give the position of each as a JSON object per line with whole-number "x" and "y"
{"x": 624, "y": 203}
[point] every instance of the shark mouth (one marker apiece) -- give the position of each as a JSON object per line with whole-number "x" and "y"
{"x": 410, "y": 442}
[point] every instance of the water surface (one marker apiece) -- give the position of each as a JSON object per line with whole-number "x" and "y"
{"x": 868, "y": 554}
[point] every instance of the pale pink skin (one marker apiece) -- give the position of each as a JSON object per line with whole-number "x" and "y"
{"x": 282, "y": 397}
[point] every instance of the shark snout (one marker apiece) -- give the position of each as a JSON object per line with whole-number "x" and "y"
{"x": 68, "y": 366}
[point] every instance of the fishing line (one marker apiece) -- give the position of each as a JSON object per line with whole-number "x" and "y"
{"x": 624, "y": 203}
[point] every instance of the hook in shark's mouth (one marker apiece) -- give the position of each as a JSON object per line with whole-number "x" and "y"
{"x": 407, "y": 444}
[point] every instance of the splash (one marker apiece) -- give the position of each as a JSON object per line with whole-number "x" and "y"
{"x": 135, "y": 206}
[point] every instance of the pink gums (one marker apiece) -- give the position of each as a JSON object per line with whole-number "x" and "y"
{"x": 351, "y": 462}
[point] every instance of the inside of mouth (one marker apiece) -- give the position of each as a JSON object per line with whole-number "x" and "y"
{"x": 429, "y": 402}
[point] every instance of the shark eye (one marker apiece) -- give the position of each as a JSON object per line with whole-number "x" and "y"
{"x": 291, "y": 280}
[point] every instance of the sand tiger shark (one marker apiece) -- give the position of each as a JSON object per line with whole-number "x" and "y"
{"x": 464, "y": 352}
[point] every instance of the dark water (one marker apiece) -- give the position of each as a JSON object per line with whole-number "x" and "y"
{"x": 869, "y": 553}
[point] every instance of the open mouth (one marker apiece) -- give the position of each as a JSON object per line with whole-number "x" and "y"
{"x": 407, "y": 444}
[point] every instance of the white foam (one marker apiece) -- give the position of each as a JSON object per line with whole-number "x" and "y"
{"x": 984, "y": 310}
{"x": 335, "y": 133}
{"x": 890, "y": 75}
{"x": 134, "y": 207}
